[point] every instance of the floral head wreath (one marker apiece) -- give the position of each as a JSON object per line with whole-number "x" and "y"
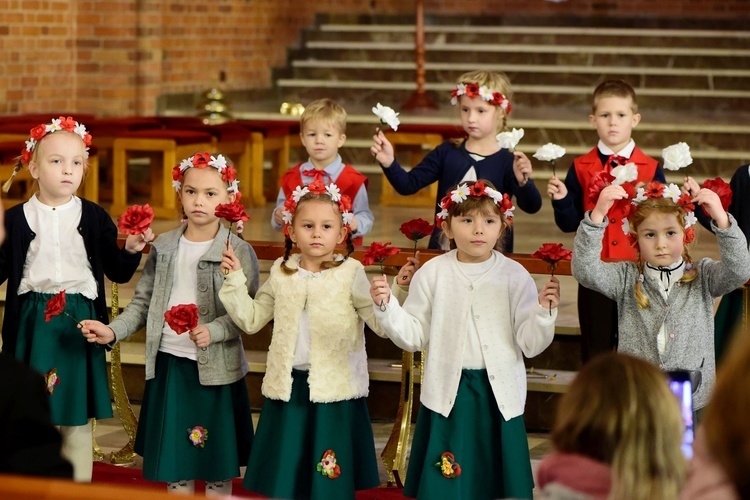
{"x": 203, "y": 160}
{"x": 473, "y": 89}
{"x": 476, "y": 190}
{"x": 36, "y": 135}
{"x": 317, "y": 187}
{"x": 656, "y": 190}
{"x": 61, "y": 123}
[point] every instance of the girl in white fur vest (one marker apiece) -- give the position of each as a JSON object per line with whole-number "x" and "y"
{"x": 314, "y": 437}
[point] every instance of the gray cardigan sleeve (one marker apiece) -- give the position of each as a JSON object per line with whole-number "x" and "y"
{"x": 133, "y": 318}
{"x": 588, "y": 269}
{"x": 734, "y": 268}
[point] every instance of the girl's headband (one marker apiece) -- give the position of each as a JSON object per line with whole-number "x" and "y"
{"x": 317, "y": 187}
{"x": 203, "y": 160}
{"x": 61, "y": 123}
{"x": 473, "y": 89}
{"x": 476, "y": 190}
{"x": 656, "y": 190}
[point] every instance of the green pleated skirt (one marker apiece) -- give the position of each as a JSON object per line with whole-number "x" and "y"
{"x": 291, "y": 441}
{"x": 493, "y": 454}
{"x": 75, "y": 370}
{"x": 191, "y": 431}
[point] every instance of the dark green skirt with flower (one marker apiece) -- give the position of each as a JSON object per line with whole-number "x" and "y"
{"x": 74, "y": 369}
{"x": 493, "y": 455}
{"x": 289, "y": 460}
{"x": 191, "y": 431}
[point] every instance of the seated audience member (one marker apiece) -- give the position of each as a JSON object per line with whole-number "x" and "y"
{"x": 617, "y": 434}
{"x": 720, "y": 468}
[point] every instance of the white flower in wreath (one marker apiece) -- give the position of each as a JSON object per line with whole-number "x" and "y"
{"x": 30, "y": 144}
{"x": 624, "y": 173}
{"x": 334, "y": 192}
{"x": 443, "y": 214}
{"x": 286, "y": 216}
{"x": 177, "y": 185}
{"x": 186, "y": 164}
{"x": 509, "y": 213}
{"x": 549, "y": 152}
{"x": 496, "y": 195}
{"x": 234, "y": 186}
{"x": 387, "y": 116}
{"x": 347, "y": 217}
{"x": 80, "y": 129}
{"x": 690, "y": 219}
{"x": 299, "y": 192}
{"x": 54, "y": 126}
{"x": 672, "y": 191}
{"x": 640, "y": 195}
{"x": 625, "y": 226}
{"x": 460, "y": 193}
{"x": 219, "y": 163}
{"x": 676, "y": 156}
{"x": 485, "y": 93}
{"x": 509, "y": 140}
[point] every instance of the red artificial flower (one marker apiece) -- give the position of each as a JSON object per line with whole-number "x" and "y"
{"x": 472, "y": 90}
{"x": 136, "y": 219}
{"x": 317, "y": 187}
{"x": 378, "y": 252}
{"x": 416, "y": 229}
{"x": 229, "y": 174}
{"x": 55, "y": 306}
{"x": 67, "y": 123}
{"x": 176, "y": 173}
{"x": 477, "y": 189}
{"x": 689, "y": 235}
{"x": 38, "y": 132}
{"x": 720, "y": 187}
{"x": 182, "y": 318}
{"x": 686, "y": 203}
{"x": 654, "y": 190}
{"x": 200, "y": 160}
{"x": 233, "y": 212}
{"x": 599, "y": 181}
{"x": 446, "y": 202}
{"x": 552, "y": 253}
{"x": 345, "y": 203}
{"x": 25, "y": 157}
{"x": 87, "y": 139}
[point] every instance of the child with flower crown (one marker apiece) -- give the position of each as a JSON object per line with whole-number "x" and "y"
{"x": 664, "y": 300}
{"x": 477, "y": 313}
{"x": 614, "y": 115}
{"x": 483, "y": 100}
{"x": 323, "y": 132}
{"x": 314, "y": 438}
{"x": 195, "y": 421}
{"x": 57, "y": 242}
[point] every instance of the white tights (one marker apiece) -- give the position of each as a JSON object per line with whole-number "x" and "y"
{"x": 77, "y": 448}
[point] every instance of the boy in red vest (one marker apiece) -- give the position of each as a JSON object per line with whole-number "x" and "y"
{"x": 323, "y": 132}
{"x": 614, "y": 116}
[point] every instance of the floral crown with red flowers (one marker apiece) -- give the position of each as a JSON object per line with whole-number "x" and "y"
{"x": 318, "y": 187}
{"x": 656, "y": 190}
{"x": 62, "y": 123}
{"x": 473, "y": 89}
{"x": 203, "y": 160}
{"x": 475, "y": 190}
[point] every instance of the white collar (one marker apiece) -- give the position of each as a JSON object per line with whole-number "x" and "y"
{"x": 626, "y": 151}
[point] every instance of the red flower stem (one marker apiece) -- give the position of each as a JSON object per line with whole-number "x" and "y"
{"x": 71, "y": 317}
{"x": 382, "y": 271}
{"x": 415, "y": 248}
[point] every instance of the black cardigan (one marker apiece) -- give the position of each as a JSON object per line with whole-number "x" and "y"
{"x": 105, "y": 257}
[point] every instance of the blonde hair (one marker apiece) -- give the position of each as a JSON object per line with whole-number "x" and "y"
{"x": 619, "y": 411}
{"x": 289, "y": 244}
{"x": 614, "y": 88}
{"x": 496, "y": 81}
{"x": 324, "y": 110}
{"x": 725, "y": 421}
{"x": 643, "y": 210}
{"x": 485, "y": 205}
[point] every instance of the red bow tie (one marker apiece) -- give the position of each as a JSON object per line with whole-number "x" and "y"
{"x": 316, "y": 174}
{"x": 615, "y": 161}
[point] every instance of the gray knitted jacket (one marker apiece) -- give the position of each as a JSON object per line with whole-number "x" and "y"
{"x": 687, "y": 313}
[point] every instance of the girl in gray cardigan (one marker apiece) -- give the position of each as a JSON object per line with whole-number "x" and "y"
{"x": 195, "y": 420}
{"x": 665, "y": 300}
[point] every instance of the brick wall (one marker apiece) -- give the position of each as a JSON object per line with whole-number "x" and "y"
{"x": 115, "y": 57}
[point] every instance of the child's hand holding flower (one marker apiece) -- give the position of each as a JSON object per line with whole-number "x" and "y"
{"x": 551, "y": 253}
{"x": 136, "y": 223}
{"x": 380, "y": 291}
{"x": 229, "y": 261}
{"x": 406, "y": 273}
{"x": 97, "y": 332}
{"x": 382, "y": 149}
{"x": 387, "y": 116}
{"x": 201, "y": 336}
{"x": 550, "y": 152}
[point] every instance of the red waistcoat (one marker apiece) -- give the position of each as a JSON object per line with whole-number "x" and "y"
{"x": 615, "y": 244}
{"x": 349, "y": 182}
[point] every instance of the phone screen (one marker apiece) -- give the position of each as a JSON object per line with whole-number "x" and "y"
{"x": 679, "y": 383}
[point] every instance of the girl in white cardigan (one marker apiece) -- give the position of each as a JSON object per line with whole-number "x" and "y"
{"x": 477, "y": 313}
{"x": 314, "y": 438}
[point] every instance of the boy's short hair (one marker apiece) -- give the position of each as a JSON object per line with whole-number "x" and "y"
{"x": 324, "y": 110}
{"x": 614, "y": 88}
